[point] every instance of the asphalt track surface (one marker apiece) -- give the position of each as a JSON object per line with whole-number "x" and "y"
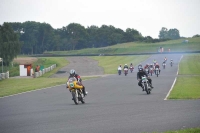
{"x": 115, "y": 104}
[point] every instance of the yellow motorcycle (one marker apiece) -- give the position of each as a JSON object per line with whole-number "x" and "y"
{"x": 76, "y": 90}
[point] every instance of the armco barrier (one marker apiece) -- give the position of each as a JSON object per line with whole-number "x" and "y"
{"x": 43, "y": 71}
{"x": 4, "y": 75}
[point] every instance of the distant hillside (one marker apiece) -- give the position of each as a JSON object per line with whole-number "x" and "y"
{"x": 179, "y": 45}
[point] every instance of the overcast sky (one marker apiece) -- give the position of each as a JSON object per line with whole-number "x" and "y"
{"x": 146, "y": 16}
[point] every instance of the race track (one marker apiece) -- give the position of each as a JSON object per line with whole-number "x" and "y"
{"x": 115, "y": 104}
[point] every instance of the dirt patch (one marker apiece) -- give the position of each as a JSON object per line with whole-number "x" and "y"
{"x": 84, "y": 66}
{"x": 25, "y": 60}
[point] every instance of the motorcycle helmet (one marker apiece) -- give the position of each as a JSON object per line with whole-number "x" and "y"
{"x": 72, "y": 72}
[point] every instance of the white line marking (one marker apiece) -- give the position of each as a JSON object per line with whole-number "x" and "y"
{"x": 170, "y": 89}
{"x": 30, "y": 91}
{"x": 34, "y": 90}
{"x": 174, "y": 80}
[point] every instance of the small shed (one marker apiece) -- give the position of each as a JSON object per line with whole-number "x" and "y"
{"x": 26, "y": 69}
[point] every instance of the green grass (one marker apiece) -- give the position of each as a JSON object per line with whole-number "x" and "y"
{"x": 187, "y": 87}
{"x": 18, "y": 85}
{"x": 111, "y": 63}
{"x": 190, "y": 130}
{"x": 187, "y": 84}
{"x": 190, "y": 65}
{"x": 138, "y": 47}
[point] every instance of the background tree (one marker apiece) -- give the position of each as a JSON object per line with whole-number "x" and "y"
{"x": 173, "y": 34}
{"x": 163, "y": 34}
{"x": 169, "y": 34}
{"x": 9, "y": 43}
{"x": 77, "y": 36}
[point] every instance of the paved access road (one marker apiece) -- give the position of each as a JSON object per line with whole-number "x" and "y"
{"x": 115, "y": 104}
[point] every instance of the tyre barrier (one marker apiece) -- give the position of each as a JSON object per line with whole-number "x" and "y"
{"x": 4, "y": 75}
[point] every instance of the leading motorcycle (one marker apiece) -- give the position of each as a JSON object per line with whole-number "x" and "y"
{"x": 146, "y": 85}
{"x": 76, "y": 90}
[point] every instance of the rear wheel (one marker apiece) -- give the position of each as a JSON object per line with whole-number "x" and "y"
{"x": 146, "y": 88}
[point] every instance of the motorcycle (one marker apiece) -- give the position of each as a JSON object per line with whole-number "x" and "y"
{"x": 151, "y": 71}
{"x": 119, "y": 72}
{"x": 145, "y": 83}
{"x": 147, "y": 71}
{"x": 131, "y": 69}
{"x": 157, "y": 72}
{"x": 164, "y": 65}
{"x": 171, "y": 63}
{"x": 76, "y": 90}
{"x": 125, "y": 71}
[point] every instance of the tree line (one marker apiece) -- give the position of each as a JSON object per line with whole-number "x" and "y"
{"x": 32, "y": 37}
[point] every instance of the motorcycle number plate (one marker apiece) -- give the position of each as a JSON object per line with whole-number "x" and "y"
{"x": 71, "y": 84}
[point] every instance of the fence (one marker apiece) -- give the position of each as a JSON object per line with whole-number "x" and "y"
{"x": 43, "y": 71}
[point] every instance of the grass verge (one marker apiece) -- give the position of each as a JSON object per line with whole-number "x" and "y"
{"x": 189, "y": 130}
{"x": 18, "y": 85}
{"x": 187, "y": 84}
{"x": 111, "y": 63}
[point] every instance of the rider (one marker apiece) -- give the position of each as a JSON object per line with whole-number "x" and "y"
{"x": 165, "y": 59}
{"x": 146, "y": 67}
{"x": 125, "y": 66}
{"x": 151, "y": 66}
{"x": 139, "y": 78}
{"x": 74, "y": 74}
{"x": 154, "y": 62}
{"x": 157, "y": 66}
{"x": 131, "y": 65}
{"x": 119, "y": 67}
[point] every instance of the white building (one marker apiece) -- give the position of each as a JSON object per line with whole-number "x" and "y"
{"x": 26, "y": 70}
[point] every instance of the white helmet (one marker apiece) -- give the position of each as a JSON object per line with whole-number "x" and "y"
{"x": 72, "y": 72}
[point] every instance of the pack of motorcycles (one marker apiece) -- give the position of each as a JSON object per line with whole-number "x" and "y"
{"x": 77, "y": 93}
{"x": 149, "y": 71}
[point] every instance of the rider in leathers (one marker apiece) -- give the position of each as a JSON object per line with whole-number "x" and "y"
{"x": 139, "y": 78}
{"x": 74, "y": 74}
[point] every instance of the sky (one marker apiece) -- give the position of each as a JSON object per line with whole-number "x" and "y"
{"x": 146, "y": 16}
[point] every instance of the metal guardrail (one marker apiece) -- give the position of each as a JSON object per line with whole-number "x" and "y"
{"x": 103, "y": 54}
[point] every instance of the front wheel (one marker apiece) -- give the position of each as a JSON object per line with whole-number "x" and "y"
{"x": 146, "y": 89}
{"x": 157, "y": 73}
{"x": 75, "y": 97}
{"x": 82, "y": 98}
